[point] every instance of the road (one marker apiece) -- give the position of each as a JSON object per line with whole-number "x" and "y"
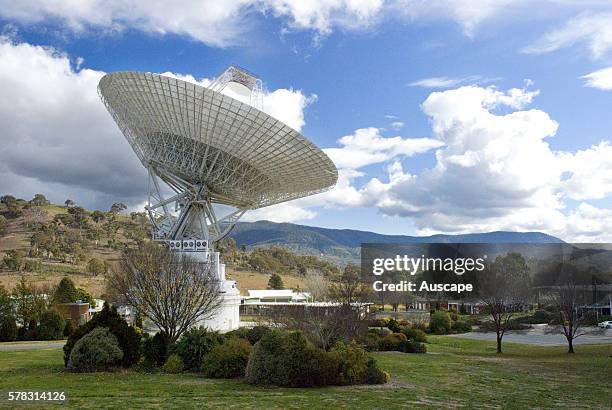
{"x": 30, "y": 345}
{"x": 539, "y": 336}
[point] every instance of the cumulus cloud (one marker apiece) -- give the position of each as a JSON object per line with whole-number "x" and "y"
{"x": 367, "y": 146}
{"x": 591, "y": 29}
{"x": 228, "y": 23}
{"x": 601, "y": 79}
{"x": 57, "y": 136}
{"x": 494, "y": 170}
{"x": 59, "y": 139}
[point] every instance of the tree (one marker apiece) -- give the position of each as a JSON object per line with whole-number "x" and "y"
{"x": 3, "y": 225}
{"x": 275, "y": 282}
{"x": 97, "y": 267}
{"x": 30, "y": 302}
{"x": 6, "y": 303}
{"x": 65, "y": 292}
{"x": 14, "y": 259}
{"x": 69, "y": 203}
{"x": 504, "y": 290}
{"x": 39, "y": 200}
{"x": 51, "y": 326}
{"x": 317, "y": 285}
{"x": 172, "y": 289}
{"x": 565, "y": 297}
{"x": 117, "y": 207}
{"x": 349, "y": 288}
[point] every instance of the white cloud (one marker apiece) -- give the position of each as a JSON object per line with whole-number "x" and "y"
{"x": 448, "y": 82}
{"x": 592, "y": 29}
{"x": 229, "y": 22}
{"x": 58, "y": 138}
{"x": 590, "y": 172}
{"x": 283, "y": 212}
{"x": 601, "y": 79}
{"x": 588, "y": 223}
{"x": 397, "y": 125}
{"x": 367, "y": 146}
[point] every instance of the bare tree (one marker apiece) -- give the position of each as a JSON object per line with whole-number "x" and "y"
{"x": 504, "y": 290}
{"x": 317, "y": 285}
{"x": 565, "y": 298}
{"x": 173, "y": 290}
{"x": 326, "y": 323}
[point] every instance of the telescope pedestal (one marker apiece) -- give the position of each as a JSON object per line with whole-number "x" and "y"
{"x": 227, "y": 317}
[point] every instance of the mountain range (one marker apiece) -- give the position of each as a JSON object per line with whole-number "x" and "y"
{"x": 344, "y": 244}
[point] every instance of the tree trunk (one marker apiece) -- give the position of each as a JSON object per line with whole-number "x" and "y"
{"x": 499, "y": 341}
{"x": 570, "y": 344}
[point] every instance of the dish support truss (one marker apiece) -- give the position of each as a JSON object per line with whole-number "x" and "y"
{"x": 186, "y": 215}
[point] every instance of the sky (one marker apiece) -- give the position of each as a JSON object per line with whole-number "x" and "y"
{"x": 448, "y": 116}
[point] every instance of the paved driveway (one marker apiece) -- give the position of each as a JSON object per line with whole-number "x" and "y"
{"x": 539, "y": 336}
{"x": 29, "y": 346}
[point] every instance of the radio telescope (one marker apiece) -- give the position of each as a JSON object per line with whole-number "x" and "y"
{"x": 219, "y": 154}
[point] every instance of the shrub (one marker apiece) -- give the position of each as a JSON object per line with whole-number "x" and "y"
{"x": 454, "y": 316}
{"x": 461, "y": 326}
{"x": 128, "y": 338}
{"x": 378, "y": 322}
{"x": 155, "y": 349}
{"x": 372, "y": 340}
{"x": 374, "y": 375}
{"x": 195, "y": 344}
{"x": 440, "y": 322}
{"x": 392, "y": 341}
{"x": 98, "y": 350}
{"x": 8, "y": 329}
{"x": 68, "y": 328}
{"x": 252, "y": 335}
{"x": 393, "y": 326}
{"x": 51, "y": 326}
{"x": 289, "y": 359}
{"x": 174, "y": 364}
{"x": 414, "y": 334}
{"x": 353, "y": 363}
{"x": 410, "y": 346}
{"x": 227, "y": 360}
{"x": 283, "y": 359}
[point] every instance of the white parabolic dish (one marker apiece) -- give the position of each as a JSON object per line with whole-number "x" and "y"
{"x": 243, "y": 156}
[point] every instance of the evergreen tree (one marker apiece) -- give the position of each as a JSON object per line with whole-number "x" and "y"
{"x": 275, "y": 282}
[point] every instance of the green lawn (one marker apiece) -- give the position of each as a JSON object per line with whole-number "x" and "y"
{"x": 455, "y": 373}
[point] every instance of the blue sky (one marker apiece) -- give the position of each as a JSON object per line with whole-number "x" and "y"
{"x": 372, "y": 66}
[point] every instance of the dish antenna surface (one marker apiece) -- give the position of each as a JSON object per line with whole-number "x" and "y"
{"x": 212, "y": 146}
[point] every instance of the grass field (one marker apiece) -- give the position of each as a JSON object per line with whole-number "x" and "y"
{"x": 455, "y": 373}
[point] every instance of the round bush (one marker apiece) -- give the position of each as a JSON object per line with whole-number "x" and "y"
{"x": 51, "y": 326}
{"x": 393, "y": 325}
{"x": 283, "y": 359}
{"x": 128, "y": 338}
{"x": 227, "y": 360}
{"x": 68, "y": 328}
{"x": 374, "y": 375}
{"x": 8, "y": 329}
{"x": 461, "y": 326}
{"x": 410, "y": 346}
{"x": 353, "y": 363}
{"x": 372, "y": 340}
{"x": 96, "y": 351}
{"x": 155, "y": 349}
{"x": 174, "y": 364}
{"x": 392, "y": 341}
{"x": 440, "y": 322}
{"x": 415, "y": 334}
{"x": 195, "y": 344}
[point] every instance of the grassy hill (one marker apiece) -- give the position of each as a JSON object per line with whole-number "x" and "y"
{"x": 45, "y": 242}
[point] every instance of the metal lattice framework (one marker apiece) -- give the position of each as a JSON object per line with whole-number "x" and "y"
{"x": 210, "y": 148}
